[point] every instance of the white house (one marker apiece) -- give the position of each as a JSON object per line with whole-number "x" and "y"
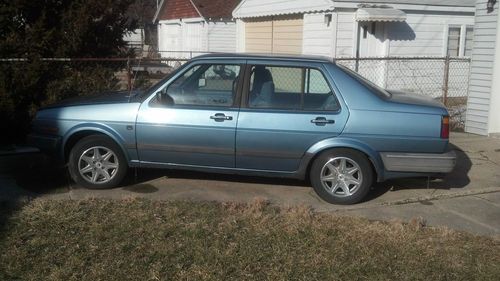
{"x": 191, "y": 27}
{"x": 143, "y": 39}
{"x": 483, "y": 105}
{"x": 366, "y": 28}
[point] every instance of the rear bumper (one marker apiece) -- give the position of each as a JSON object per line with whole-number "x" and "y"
{"x": 419, "y": 162}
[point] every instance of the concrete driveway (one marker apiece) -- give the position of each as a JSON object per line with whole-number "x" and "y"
{"x": 467, "y": 199}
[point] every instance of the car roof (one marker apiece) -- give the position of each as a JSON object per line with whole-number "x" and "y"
{"x": 257, "y": 56}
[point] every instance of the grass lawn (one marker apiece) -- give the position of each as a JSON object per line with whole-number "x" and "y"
{"x": 145, "y": 240}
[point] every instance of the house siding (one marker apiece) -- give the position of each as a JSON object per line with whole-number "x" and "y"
{"x": 346, "y": 33}
{"x": 221, "y": 36}
{"x": 318, "y": 35}
{"x": 170, "y": 39}
{"x": 423, "y": 33}
{"x": 485, "y": 38}
{"x": 197, "y": 36}
{"x": 194, "y": 36}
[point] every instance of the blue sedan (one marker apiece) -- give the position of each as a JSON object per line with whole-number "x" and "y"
{"x": 279, "y": 116}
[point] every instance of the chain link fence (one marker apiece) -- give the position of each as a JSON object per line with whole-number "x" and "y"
{"x": 444, "y": 79}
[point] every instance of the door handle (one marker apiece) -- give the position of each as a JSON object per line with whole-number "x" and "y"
{"x": 322, "y": 121}
{"x": 220, "y": 117}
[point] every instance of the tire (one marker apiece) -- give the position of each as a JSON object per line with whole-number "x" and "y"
{"x": 106, "y": 169}
{"x": 330, "y": 178}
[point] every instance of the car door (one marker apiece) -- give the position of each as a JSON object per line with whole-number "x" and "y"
{"x": 287, "y": 107}
{"x": 191, "y": 120}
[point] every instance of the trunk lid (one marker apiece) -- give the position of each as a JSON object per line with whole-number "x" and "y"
{"x": 412, "y": 99}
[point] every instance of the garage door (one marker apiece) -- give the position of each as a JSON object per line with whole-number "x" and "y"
{"x": 192, "y": 36}
{"x": 274, "y": 35}
{"x": 259, "y": 36}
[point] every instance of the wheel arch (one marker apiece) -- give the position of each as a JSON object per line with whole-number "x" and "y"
{"x": 80, "y": 132}
{"x": 317, "y": 149}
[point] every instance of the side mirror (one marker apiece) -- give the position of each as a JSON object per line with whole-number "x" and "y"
{"x": 164, "y": 99}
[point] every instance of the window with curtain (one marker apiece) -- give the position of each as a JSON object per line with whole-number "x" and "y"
{"x": 460, "y": 40}
{"x": 454, "y": 41}
{"x": 469, "y": 36}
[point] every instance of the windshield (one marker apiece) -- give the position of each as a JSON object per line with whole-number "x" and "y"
{"x": 381, "y": 92}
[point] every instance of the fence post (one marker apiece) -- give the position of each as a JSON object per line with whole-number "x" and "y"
{"x": 129, "y": 76}
{"x": 446, "y": 79}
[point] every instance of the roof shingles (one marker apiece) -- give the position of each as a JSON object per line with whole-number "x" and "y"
{"x": 216, "y": 9}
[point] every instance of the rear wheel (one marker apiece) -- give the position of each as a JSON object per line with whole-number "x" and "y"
{"x": 341, "y": 176}
{"x": 97, "y": 162}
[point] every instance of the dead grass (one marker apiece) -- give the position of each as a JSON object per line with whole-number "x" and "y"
{"x": 145, "y": 240}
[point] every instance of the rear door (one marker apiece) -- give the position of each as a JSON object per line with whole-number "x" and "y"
{"x": 287, "y": 107}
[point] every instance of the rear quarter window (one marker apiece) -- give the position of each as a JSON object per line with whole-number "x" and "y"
{"x": 379, "y": 91}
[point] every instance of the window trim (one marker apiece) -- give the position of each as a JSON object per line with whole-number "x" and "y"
{"x": 246, "y": 90}
{"x": 464, "y": 38}
{"x": 462, "y": 41}
{"x": 188, "y": 67}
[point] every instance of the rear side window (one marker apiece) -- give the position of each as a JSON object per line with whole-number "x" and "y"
{"x": 293, "y": 88}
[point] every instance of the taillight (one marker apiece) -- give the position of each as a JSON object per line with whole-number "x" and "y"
{"x": 445, "y": 127}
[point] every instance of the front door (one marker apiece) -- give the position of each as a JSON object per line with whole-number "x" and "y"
{"x": 288, "y": 108}
{"x": 192, "y": 119}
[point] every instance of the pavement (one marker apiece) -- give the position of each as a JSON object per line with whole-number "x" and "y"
{"x": 468, "y": 199}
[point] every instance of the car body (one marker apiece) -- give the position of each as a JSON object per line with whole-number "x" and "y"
{"x": 257, "y": 115}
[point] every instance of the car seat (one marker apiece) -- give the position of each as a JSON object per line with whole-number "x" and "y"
{"x": 263, "y": 87}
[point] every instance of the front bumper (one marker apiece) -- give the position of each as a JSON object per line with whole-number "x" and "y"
{"x": 49, "y": 145}
{"x": 419, "y": 162}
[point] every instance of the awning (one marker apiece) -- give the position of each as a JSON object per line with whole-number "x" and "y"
{"x": 380, "y": 14}
{"x": 265, "y": 8}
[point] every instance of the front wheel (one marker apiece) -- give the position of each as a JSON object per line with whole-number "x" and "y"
{"x": 341, "y": 176}
{"x": 97, "y": 162}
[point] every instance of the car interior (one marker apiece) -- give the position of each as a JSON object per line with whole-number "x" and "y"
{"x": 215, "y": 85}
{"x": 263, "y": 94}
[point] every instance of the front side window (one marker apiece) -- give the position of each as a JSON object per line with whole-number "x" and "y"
{"x": 205, "y": 85}
{"x": 293, "y": 88}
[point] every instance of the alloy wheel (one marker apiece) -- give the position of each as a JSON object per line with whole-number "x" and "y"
{"x": 98, "y": 165}
{"x": 341, "y": 176}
